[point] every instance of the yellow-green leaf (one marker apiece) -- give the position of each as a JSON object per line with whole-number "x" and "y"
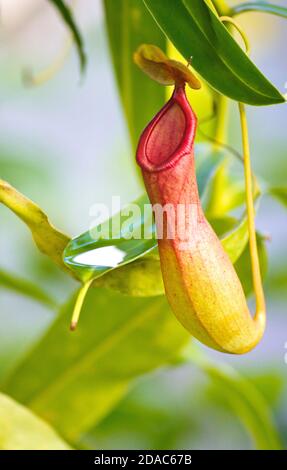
{"x": 88, "y": 371}
{"x": 48, "y": 239}
{"x": 20, "y": 429}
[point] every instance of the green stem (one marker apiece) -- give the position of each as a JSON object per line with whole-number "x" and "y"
{"x": 232, "y": 22}
{"x": 255, "y": 265}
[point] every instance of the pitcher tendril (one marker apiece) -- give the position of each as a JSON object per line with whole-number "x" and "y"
{"x": 79, "y": 304}
{"x": 260, "y": 314}
{"x": 228, "y": 19}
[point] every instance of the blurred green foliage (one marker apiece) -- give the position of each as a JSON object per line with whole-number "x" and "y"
{"x": 21, "y": 429}
{"x": 120, "y": 380}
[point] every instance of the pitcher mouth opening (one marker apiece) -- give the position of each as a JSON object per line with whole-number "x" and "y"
{"x": 169, "y": 136}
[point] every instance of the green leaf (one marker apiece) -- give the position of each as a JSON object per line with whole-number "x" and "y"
{"x": 109, "y": 245}
{"x": 26, "y": 288}
{"x": 279, "y": 193}
{"x": 67, "y": 16}
{"x": 20, "y": 429}
{"x": 48, "y": 239}
{"x": 155, "y": 414}
{"x": 128, "y": 25}
{"x": 243, "y": 398}
{"x": 243, "y": 265}
{"x": 207, "y": 162}
{"x": 87, "y": 372}
{"x": 269, "y": 382}
{"x": 225, "y": 192}
{"x": 263, "y": 7}
{"x": 107, "y": 250}
{"x": 197, "y": 31}
{"x": 236, "y": 240}
{"x": 277, "y": 280}
{"x": 141, "y": 278}
{"x": 223, "y": 225}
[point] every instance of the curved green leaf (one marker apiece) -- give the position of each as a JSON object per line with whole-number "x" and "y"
{"x": 223, "y": 225}
{"x": 243, "y": 398}
{"x": 109, "y": 246}
{"x": 48, "y": 239}
{"x": 197, "y": 31}
{"x": 67, "y": 16}
{"x": 26, "y": 288}
{"x": 87, "y": 372}
{"x": 263, "y": 7}
{"x": 226, "y": 191}
{"x": 236, "y": 240}
{"x": 243, "y": 265}
{"x": 279, "y": 193}
{"x": 207, "y": 162}
{"x": 20, "y": 429}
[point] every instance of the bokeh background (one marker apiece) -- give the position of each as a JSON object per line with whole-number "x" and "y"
{"x": 65, "y": 145}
